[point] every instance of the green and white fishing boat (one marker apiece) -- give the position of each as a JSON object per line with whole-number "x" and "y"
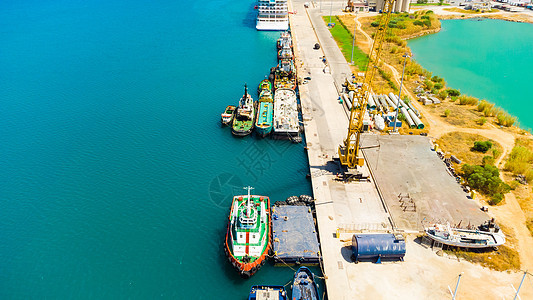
{"x": 243, "y": 121}
{"x": 265, "y": 112}
{"x": 248, "y": 234}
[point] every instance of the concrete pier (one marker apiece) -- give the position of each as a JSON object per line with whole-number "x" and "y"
{"x": 338, "y": 205}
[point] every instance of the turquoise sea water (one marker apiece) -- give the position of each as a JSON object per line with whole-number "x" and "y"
{"x": 488, "y": 59}
{"x": 116, "y": 177}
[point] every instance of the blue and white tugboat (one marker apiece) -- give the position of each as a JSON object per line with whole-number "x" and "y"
{"x": 267, "y": 292}
{"x": 304, "y": 286}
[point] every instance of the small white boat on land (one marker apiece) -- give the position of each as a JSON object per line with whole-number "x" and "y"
{"x": 464, "y": 237}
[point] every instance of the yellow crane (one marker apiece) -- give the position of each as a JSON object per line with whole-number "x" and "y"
{"x": 349, "y": 150}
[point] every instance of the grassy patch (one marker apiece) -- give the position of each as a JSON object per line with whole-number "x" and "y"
{"x": 344, "y": 39}
{"x": 404, "y": 24}
{"x": 460, "y": 145}
{"x": 469, "y": 11}
{"x": 521, "y": 159}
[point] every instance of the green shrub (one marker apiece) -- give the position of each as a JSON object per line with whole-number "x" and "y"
{"x": 514, "y": 184}
{"x": 428, "y": 85}
{"x": 438, "y": 85}
{"x": 482, "y": 146}
{"x": 481, "y": 121}
{"x": 394, "y": 49}
{"x": 484, "y": 104}
{"x": 505, "y": 119}
{"x": 529, "y": 175}
{"x": 495, "y": 153}
{"x": 446, "y": 113}
{"x": 488, "y": 160}
{"x": 467, "y": 100}
{"x": 436, "y": 78}
{"x": 443, "y": 94}
{"x": 485, "y": 179}
{"x": 520, "y": 160}
{"x": 418, "y": 23}
{"x": 495, "y": 199}
{"x": 374, "y": 24}
{"x": 453, "y": 92}
{"x": 401, "y": 117}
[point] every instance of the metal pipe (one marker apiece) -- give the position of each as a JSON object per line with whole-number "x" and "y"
{"x": 417, "y": 121}
{"x": 400, "y": 93}
{"x": 371, "y": 104}
{"x": 407, "y": 117}
{"x": 390, "y": 101}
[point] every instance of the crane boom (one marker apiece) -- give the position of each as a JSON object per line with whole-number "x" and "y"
{"x": 349, "y": 151}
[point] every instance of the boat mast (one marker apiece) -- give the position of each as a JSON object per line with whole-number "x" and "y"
{"x": 248, "y": 207}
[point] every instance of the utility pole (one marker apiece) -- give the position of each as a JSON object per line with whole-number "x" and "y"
{"x": 522, "y": 281}
{"x": 456, "y": 287}
{"x": 399, "y": 95}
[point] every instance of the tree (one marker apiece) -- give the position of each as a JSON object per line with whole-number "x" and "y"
{"x": 482, "y": 146}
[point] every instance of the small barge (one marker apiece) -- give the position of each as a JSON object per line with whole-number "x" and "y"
{"x": 286, "y": 122}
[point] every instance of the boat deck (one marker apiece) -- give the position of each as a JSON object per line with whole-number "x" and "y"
{"x": 294, "y": 236}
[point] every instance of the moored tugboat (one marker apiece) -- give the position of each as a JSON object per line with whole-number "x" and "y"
{"x": 248, "y": 234}
{"x": 243, "y": 121}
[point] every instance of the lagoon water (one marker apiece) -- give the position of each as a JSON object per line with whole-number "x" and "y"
{"x": 488, "y": 59}
{"x": 115, "y": 174}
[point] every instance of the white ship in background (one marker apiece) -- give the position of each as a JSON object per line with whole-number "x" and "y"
{"x": 272, "y": 15}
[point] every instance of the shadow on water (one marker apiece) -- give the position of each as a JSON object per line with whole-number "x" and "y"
{"x": 250, "y": 19}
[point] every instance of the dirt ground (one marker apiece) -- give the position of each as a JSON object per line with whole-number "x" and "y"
{"x": 477, "y": 282}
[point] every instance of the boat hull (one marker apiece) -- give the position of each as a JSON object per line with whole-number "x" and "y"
{"x": 241, "y": 132}
{"x": 304, "y": 285}
{"x": 263, "y": 131}
{"x": 271, "y": 26}
{"x": 492, "y": 239}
